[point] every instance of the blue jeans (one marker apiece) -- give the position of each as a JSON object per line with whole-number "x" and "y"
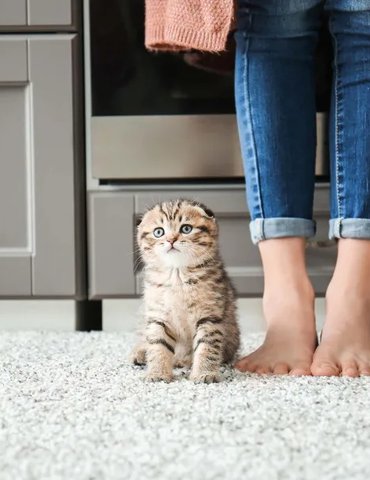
{"x": 275, "y": 98}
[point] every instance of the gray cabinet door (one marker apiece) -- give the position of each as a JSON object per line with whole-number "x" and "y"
{"x": 31, "y": 13}
{"x": 37, "y": 234}
{"x": 15, "y": 170}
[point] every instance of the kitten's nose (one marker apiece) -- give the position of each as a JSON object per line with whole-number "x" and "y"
{"x": 171, "y": 240}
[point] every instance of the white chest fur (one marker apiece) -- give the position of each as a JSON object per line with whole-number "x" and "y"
{"x": 169, "y": 292}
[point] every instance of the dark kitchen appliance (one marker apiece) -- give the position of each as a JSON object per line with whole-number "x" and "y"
{"x": 157, "y": 116}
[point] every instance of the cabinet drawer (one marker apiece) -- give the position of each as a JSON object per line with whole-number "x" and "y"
{"x": 241, "y": 257}
{"x": 115, "y": 269}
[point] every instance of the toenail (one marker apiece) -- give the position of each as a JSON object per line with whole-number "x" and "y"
{"x": 299, "y": 373}
{"x": 364, "y": 369}
{"x": 281, "y": 369}
{"x": 325, "y": 370}
{"x": 350, "y": 372}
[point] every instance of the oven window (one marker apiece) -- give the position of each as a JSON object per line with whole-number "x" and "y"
{"x": 129, "y": 80}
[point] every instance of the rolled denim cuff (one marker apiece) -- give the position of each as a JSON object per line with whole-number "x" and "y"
{"x": 349, "y": 228}
{"x": 265, "y": 228}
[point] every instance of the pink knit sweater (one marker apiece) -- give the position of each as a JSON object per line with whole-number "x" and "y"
{"x": 188, "y": 24}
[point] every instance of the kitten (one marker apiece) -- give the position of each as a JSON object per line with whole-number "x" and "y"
{"x": 189, "y": 302}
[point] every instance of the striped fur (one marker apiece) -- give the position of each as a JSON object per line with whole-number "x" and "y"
{"x": 189, "y": 302}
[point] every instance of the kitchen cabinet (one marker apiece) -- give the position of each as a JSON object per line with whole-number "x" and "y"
{"x": 41, "y": 235}
{"x": 115, "y": 269}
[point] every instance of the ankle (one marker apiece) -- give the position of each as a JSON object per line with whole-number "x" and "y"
{"x": 351, "y": 276}
{"x": 288, "y": 292}
{"x": 349, "y": 289}
{"x": 285, "y": 313}
{"x": 284, "y": 268}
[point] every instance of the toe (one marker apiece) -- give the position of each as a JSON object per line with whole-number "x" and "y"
{"x": 300, "y": 371}
{"x": 263, "y": 370}
{"x": 245, "y": 365}
{"x": 364, "y": 368}
{"x": 281, "y": 369}
{"x": 350, "y": 369}
{"x": 240, "y": 363}
{"x": 324, "y": 369}
{"x": 248, "y": 367}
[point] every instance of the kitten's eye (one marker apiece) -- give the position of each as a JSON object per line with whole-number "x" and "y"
{"x": 186, "y": 228}
{"x": 158, "y": 232}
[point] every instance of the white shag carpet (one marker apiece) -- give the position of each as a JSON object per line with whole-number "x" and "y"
{"x": 72, "y": 407}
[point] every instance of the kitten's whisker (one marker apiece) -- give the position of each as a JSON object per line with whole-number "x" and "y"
{"x": 137, "y": 263}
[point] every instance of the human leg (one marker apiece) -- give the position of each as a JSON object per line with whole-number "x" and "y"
{"x": 345, "y": 347}
{"x": 275, "y": 97}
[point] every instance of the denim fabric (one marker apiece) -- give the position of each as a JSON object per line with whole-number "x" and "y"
{"x": 275, "y": 99}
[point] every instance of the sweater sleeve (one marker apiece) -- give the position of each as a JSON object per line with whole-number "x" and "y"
{"x": 194, "y": 24}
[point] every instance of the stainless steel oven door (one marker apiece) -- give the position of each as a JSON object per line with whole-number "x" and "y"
{"x": 176, "y": 147}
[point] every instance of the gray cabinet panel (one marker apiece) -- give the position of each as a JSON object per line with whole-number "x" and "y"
{"x": 115, "y": 269}
{"x": 14, "y": 169}
{"x": 13, "y": 12}
{"x": 49, "y": 12}
{"x": 38, "y": 234}
{"x": 53, "y": 267}
{"x": 13, "y": 60}
{"x": 15, "y": 276}
{"x": 111, "y": 228}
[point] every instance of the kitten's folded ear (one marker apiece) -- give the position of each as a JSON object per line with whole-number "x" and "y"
{"x": 206, "y": 210}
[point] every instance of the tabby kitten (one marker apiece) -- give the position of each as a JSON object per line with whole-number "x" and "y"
{"x": 189, "y": 302}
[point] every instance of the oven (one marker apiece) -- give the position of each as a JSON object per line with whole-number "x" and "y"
{"x": 164, "y": 116}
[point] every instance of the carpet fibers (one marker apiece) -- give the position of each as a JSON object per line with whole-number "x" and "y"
{"x": 72, "y": 407}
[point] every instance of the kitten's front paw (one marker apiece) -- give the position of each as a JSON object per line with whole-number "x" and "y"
{"x": 182, "y": 364}
{"x": 159, "y": 377}
{"x": 138, "y": 356}
{"x": 205, "y": 377}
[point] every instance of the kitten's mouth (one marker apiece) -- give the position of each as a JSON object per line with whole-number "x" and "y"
{"x": 172, "y": 249}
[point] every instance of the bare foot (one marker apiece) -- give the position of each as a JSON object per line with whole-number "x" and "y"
{"x": 345, "y": 345}
{"x": 291, "y": 335}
